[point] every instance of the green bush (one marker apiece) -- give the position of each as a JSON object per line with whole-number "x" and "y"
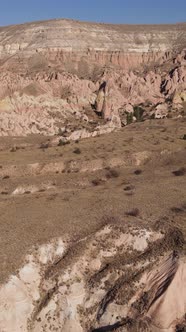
{"x": 138, "y": 113}
{"x": 129, "y": 118}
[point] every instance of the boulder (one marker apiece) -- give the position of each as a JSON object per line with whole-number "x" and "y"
{"x": 161, "y": 111}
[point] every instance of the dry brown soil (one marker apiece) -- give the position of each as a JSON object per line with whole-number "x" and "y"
{"x": 96, "y": 180}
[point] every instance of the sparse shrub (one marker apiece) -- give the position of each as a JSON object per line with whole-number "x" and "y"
{"x": 129, "y": 118}
{"x": 180, "y": 209}
{"x": 184, "y": 137}
{"x": 4, "y": 192}
{"x": 14, "y": 149}
{"x": 112, "y": 173}
{"x": 129, "y": 187}
{"x": 138, "y": 171}
{"x": 77, "y": 151}
{"x": 177, "y": 209}
{"x": 180, "y": 172}
{"x": 62, "y": 142}
{"x": 138, "y": 113}
{"x": 133, "y": 212}
{"x": 6, "y": 177}
{"x": 61, "y": 131}
{"x": 109, "y": 220}
{"x": 97, "y": 182}
{"x": 156, "y": 142}
{"x": 152, "y": 116}
{"x": 52, "y": 197}
{"x": 76, "y": 170}
{"x": 66, "y": 199}
{"x": 44, "y": 146}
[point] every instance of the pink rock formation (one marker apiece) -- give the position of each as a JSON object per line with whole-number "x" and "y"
{"x": 75, "y": 45}
{"x": 47, "y": 84}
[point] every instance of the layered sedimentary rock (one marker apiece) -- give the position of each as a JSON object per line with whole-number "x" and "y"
{"x": 52, "y": 74}
{"x": 97, "y": 291}
{"x": 71, "y": 44}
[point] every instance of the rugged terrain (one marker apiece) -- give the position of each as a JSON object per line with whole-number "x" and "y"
{"x": 92, "y": 177}
{"x": 56, "y": 74}
{"x": 72, "y": 45}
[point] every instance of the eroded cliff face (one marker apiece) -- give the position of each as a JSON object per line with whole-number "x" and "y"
{"x": 52, "y": 73}
{"x": 74, "y": 45}
{"x": 112, "y": 284}
{"x": 92, "y": 232}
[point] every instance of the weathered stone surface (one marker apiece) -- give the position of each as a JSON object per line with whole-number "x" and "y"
{"x": 71, "y": 44}
{"x": 161, "y": 111}
{"x": 54, "y": 75}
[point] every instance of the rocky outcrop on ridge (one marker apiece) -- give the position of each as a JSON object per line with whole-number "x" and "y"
{"x": 101, "y": 289}
{"x": 61, "y": 77}
{"x": 75, "y": 45}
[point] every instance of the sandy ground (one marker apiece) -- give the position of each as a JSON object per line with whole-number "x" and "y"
{"x": 76, "y": 200}
{"x": 92, "y": 232}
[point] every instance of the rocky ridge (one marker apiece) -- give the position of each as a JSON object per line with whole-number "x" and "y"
{"x": 78, "y": 79}
{"x": 67, "y": 42}
{"x": 92, "y": 232}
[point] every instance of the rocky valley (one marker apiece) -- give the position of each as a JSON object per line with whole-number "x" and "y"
{"x": 92, "y": 177}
